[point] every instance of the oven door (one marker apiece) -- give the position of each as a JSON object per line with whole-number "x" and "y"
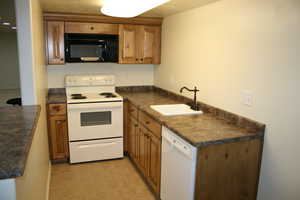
{"x": 88, "y": 121}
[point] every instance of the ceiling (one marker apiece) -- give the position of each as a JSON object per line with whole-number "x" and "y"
{"x": 93, "y": 6}
{"x": 7, "y": 14}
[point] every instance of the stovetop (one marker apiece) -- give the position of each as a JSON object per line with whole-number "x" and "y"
{"x": 93, "y": 97}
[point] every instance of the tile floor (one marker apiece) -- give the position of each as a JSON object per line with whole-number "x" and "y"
{"x": 106, "y": 180}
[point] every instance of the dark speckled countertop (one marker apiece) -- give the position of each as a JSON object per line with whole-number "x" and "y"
{"x": 57, "y": 95}
{"x": 198, "y": 130}
{"x": 17, "y": 127}
{"x": 213, "y": 127}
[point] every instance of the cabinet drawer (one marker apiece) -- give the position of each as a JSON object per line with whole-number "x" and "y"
{"x": 97, "y": 28}
{"x": 132, "y": 110}
{"x": 150, "y": 123}
{"x": 57, "y": 109}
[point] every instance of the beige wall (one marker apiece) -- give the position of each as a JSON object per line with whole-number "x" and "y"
{"x": 126, "y": 75}
{"x": 33, "y": 184}
{"x": 235, "y": 45}
{"x": 9, "y": 69}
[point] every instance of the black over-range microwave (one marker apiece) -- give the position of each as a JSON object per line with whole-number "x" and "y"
{"x": 91, "y": 48}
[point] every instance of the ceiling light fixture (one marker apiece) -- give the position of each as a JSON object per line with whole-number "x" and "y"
{"x": 6, "y": 23}
{"x": 129, "y": 8}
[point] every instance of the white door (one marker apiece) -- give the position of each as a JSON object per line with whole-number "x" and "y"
{"x": 95, "y": 120}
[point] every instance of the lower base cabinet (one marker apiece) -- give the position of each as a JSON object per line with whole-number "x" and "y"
{"x": 58, "y": 133}
{"x": 144, "y": 149}
{"x": 228, "y": 171}
{"x": 154, "y": 151}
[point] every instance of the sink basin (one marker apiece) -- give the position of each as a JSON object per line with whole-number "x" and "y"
{"x": 175, "y": 109}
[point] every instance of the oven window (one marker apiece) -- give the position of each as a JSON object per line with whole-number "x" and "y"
{"x": 95, "y": 118}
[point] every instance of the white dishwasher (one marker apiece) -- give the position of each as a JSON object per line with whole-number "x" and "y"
{"x": 178, "y": 167}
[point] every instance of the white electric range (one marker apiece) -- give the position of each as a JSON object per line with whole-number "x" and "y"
{"x": 95, "y": 118}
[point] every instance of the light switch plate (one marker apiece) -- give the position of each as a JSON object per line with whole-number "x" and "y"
{"x": 247, "y": 98}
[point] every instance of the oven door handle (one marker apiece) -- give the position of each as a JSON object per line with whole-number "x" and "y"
{"x": 82, "y": 146}
{"x": 95, "y": 105}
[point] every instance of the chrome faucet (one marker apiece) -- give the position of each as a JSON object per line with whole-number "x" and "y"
{"x": 194, "y": 106}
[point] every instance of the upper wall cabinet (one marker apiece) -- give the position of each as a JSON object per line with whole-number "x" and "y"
{"x": 139, "y": 44}
{"x": 149, "y": 44}
{"x": 55, "y": 42}
{"x": 139, "y": 37}
{"x": 91, "y": 28}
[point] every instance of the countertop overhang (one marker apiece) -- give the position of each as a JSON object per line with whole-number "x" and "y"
{"x": 17, "y": 128}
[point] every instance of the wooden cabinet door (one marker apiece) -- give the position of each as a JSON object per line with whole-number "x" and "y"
{"x": 127, "y": 44}
{"x": 59, "y": 137}
{"x": 154, "y": 152}
{"x": 143, "y": 138}
{"x": 91, "y": 28}
{"x": 133, "y": 138}
{"x": 148, "y": 44}
{"x": 55, "y": 43}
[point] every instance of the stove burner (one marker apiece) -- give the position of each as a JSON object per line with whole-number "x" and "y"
{"x": 78, "y": 96}
{"x": 74, "y": 95}
{"x": 108, "y": 95}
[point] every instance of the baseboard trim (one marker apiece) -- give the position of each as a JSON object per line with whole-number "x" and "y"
{"x": 48, "y": 182}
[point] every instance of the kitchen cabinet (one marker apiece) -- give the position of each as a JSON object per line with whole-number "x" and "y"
{"x": 133, "y": 138}
{"x": 91, "y": 28}
{"x": 55, "y": 42}
{"x": 154, "y": 152}
{"x": 139, "y": 44}
{"x": 139, "y": 38}
{"x": 58, "y": 132}
{"x": 143, "y": 150}
{"x": 144, "y": 135}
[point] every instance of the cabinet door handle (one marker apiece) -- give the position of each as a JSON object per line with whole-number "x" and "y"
{"x": 147, "y": 122}
{"x": 92, "y": 28}
{"x": 60, "y": 121}
{"x": 142, "y": 59}
{"x": 135, "y": 125}
{"x": 137, "y": 59}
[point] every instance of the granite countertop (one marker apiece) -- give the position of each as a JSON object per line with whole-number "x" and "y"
{"x": 198, "y": 130}
{"x": 57, "y": 96}
{"x": 17, "y": 127}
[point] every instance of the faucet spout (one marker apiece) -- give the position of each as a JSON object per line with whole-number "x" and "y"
{"x": 194, "y": 106}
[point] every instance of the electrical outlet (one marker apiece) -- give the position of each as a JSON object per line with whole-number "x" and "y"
{"x": 247, "y": 98}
